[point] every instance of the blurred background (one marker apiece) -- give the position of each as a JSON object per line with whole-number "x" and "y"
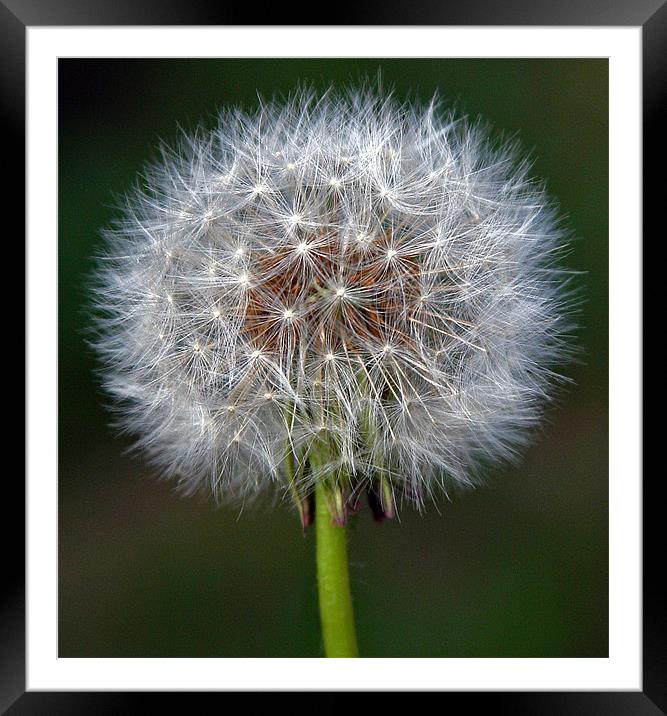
{"x": 516, "y": 569}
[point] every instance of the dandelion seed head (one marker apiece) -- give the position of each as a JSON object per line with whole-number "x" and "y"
{"x": 393, "y": 303}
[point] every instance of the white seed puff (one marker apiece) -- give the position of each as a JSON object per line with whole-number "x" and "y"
{"x": 336, "y": 286}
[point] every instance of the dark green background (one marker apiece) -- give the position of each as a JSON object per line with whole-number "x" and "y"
{"x": 516, "y": 569}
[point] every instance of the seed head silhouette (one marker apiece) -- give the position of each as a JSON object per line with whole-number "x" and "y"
{"x": 336, "y": 286}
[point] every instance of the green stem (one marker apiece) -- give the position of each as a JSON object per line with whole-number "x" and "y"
{"x": 333, "y": 581}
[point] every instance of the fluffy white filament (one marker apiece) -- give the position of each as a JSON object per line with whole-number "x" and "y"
{"x": 344, "y": 278}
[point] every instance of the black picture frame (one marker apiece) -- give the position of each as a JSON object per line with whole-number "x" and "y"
{"x": 17, "y": 15}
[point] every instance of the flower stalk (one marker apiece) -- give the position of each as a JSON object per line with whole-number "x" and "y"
{"x": 333, "y": 581}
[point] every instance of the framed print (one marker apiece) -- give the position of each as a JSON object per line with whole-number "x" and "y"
{"x": 291, "y": 293}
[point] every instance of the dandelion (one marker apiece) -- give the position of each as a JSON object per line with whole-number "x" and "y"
{"x": 334, "y": 297}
